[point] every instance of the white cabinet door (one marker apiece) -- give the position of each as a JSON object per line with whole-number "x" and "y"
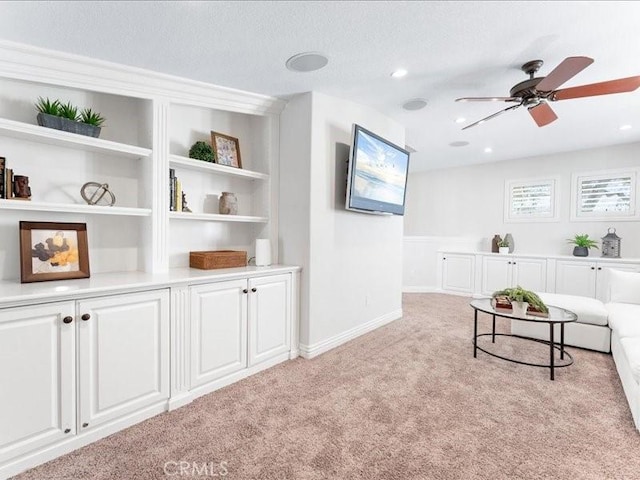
{"x": 576, "y": 277}
{"x": 496, "y": 274}
{"x": 269, "y": 317}
{"x": 218, "y": 330}
{"x": 37, "y": 377}
{"x": 123, "y": 354}
{"x": 530, "y": 273}
{"x": 602, "y": 277}
{"x": 458, "y": 272}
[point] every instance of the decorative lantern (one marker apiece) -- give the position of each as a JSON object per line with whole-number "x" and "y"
{"x": 611, "y": 244}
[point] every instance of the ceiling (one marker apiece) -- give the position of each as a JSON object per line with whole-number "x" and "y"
{"x": 450, "y": 49}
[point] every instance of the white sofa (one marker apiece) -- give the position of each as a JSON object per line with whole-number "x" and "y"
{"x": 614, "y": 327}
{"x": 624, "y": 320}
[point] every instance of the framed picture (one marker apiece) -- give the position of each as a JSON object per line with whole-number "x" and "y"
{"x": 53, "y": 251}
{"x": 226, "y": 149}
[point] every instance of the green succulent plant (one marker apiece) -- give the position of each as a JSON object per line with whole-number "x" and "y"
{"x": 201, "y": 151}
{"x": 44, "y": 105}
{"x": 583, "y": 241}
{"x": 519, "y": 294}
{"x": 503, "y": 243}
{"x": 68, "y": 110}
{"x": 91, "y": 118}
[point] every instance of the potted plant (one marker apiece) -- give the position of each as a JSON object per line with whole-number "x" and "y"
{"x": 503, "y": 246}
{"x": 521, "y": 301}
{"x": 582, "y": 245}
{"x": 201, "y": 151}
{"x": 67, "y": 117}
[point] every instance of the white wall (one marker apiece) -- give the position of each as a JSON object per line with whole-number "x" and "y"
{"x": 469, "y": 202}
{"x": 352, "y": 262}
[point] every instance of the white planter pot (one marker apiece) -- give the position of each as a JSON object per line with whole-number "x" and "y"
{"x": 519, "y": 308}
{"x": 503, "y": 250}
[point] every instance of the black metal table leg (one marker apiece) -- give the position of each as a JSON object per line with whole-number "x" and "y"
{"x": 551, "y": 348}
{"x": 475, "y": 334}
{"x": 562, "y": 341}
{"x": 493, "y": 331}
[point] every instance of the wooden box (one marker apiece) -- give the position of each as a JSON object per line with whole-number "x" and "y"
{"x": 207, "y": 260}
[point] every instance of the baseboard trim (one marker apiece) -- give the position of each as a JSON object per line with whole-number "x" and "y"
{"x": 311, "y": 351}
{"x": 180, "y": 400}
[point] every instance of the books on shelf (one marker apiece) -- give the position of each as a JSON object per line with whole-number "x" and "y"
{"x": 175, "y": 192}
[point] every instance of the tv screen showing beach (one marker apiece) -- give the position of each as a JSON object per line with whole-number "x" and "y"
{"x": 380, "y": 173}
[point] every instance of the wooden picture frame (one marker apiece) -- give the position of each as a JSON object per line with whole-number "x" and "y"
{"x": 53, "y": 251}
{"x": 226, "y": 150}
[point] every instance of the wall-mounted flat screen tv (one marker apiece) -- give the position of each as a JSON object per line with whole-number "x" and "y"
{"x": 377, "y": 175}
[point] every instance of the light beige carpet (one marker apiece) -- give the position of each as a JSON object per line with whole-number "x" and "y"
{"x": 407, "y": 401}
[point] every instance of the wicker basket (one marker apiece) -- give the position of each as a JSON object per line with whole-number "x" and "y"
{"x": 207, "y": 260}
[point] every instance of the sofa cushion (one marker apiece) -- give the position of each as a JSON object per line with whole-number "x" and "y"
{"x": 588, "y": 310}
{"x": 631, "y": 348}
{"x": 624, "y": 319}
{"x": 624, "y": 287}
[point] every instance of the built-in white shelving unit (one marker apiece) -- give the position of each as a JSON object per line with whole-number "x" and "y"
{"x": 178, "y": 161}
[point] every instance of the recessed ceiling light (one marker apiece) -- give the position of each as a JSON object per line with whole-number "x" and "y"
{"x": 459, "y": 143}
{"x": 460, "y": 119}
{"x": 307, "y": 62}
{"x": 415, "y": 104}
{"x": 488, "y": 150}
{"x": 399, "y": 73}
{"x": 625, "y": 127}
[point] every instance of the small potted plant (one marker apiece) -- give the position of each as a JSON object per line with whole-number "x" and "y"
{"x": 582, "y": 245}
{"x": 201, "y": 151}
{"x": 48, "y": 113}
{"x": 67, "y": 117}
{"x": 91, "y": 122}
{"x": 503, "y": 247}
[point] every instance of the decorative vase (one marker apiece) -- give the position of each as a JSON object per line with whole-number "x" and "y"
{"x": 503, "y": 250}
{"x": 228, "y": 204}
{"x": 580, "y": 252}
{"x": 519, "y": 308}
{"x": 509, "y": 239}
{"x": 494, "y": 243}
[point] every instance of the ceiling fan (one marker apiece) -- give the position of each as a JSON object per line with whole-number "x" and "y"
{"x": 536, "y": 92}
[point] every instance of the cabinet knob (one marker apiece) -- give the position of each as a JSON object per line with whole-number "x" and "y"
{"x": 593, "y": 268}
{"x": 254, "y": 289}
{"x": 67, "y": 430}
{"x": 85, "y": 317}
{"x": 67, "y": 319}
{"x": 514, "y": 263}
{"x": 599, "y": 268}
{"x": 444, "y": 258}
{"x": 85, "y": 425}
{"x": 245, "y": 291}
{"x": 508, "y": 263}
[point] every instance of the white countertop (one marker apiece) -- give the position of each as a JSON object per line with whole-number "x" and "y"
{"x": 16, "y": 293}
{"x": 593, "y": 258}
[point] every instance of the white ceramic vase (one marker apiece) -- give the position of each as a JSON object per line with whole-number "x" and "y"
{"x": 519, "y": 308}
{"x": 503, "y": 250}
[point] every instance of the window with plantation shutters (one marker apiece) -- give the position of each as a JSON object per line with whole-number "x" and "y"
{"x": 531, "y": 200}
{"x": 608, "y": 195}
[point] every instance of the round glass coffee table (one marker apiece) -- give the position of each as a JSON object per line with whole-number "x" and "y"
{"x": 557, "y": 316}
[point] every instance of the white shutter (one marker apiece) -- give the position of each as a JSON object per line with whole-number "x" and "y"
{"x": 530, "y": 200}
{"x": 605, "y": 195}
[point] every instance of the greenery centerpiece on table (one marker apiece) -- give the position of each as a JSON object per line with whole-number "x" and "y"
{"x": 507, "y": 297}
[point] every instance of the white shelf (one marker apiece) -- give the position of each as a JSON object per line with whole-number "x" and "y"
{"x": 73, "y": 208}
{"x": 216, "y": 217}
{"x": 50, "y": 136}
{"x": 178, "y": 161}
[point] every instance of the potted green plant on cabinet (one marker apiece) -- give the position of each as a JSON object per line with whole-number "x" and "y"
{"x": 582, "y": 245}
{"x": 66, "y": 117}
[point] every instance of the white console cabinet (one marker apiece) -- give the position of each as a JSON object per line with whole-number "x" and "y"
{"x": 588, "y": 278}
{"x": 122, "y": 366}
{"x": 458, "y": 272}
{"x": 499, "y": 272}
{"x": 238, "y": 324}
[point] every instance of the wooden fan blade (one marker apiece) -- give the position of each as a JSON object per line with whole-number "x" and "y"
{"x": 621, "y": 85}
{"x": 543, "y": 114}
{"x": 491, "y": 116}
{"x": 488, "y": 99}
{"x": 567, "y": 69}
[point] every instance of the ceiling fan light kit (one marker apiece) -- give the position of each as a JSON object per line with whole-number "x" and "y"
{"x": 535, "y": 92}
